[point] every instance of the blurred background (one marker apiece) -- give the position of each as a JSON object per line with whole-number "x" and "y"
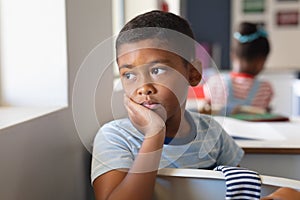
{"x": 214, "y": 22}
{"x": 43, "y": 44}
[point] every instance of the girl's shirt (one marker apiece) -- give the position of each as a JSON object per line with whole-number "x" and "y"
{"x": 238, "y": 89}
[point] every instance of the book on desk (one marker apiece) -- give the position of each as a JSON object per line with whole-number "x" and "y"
{"x": 256, "y": 114}
{"x": 261, "y": 117}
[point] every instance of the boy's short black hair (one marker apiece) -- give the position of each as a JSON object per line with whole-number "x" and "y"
{"x": 258, "y": 48}
{"x": 158, "y": 25}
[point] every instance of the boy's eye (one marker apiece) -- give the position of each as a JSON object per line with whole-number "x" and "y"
{"x": 129, "y": 76}
{"x": 157, "y": 71}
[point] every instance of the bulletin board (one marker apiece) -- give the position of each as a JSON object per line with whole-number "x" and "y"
{"x": 281, "y": 19}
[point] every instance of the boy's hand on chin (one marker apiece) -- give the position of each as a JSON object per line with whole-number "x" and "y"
{"x": 144, "y": 119}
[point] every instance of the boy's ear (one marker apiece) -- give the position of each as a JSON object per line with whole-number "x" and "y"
{"x": 195, "y": 73}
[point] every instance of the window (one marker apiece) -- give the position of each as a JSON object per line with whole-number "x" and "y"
{"x": 33, "y": 53}
{"x": 33, "y": 59}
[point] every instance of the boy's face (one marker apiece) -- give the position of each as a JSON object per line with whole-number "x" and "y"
{"x": 153, "y": 77}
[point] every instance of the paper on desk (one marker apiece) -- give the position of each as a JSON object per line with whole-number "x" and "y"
{"x": 250, "y": 130}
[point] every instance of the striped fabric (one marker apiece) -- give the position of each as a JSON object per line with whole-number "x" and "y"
{"x": 241, "y": 183}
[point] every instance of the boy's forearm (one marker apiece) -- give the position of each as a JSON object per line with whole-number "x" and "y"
{"x": 149, "y": 155}
{"x": 140, "y": 180}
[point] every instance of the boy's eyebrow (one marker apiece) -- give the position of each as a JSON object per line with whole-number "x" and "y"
{"x": 150, "y": 63}
{"x": 125, "y": 66}
{"x": 159, "y": 61}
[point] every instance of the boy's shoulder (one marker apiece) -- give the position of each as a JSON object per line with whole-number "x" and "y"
{"x": 202, "y": 120}
{"x": 119, "y": 125}
{"x": 120, "y": 128}
{"x": 123, "y": 122}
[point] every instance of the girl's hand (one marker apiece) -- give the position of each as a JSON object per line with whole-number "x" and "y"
{"x": 147, "y": 121}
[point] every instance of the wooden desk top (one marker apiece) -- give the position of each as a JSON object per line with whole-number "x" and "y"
{"x": 251, "y": 150}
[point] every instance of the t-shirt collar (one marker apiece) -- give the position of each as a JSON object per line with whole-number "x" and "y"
{"x": 241, "y": 75}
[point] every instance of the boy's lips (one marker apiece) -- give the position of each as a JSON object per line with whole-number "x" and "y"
{"x": 150, "y": 105}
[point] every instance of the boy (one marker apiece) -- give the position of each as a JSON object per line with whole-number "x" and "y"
{"x": 155, "y": 54}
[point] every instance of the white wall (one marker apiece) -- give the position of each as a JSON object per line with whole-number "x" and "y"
{"x": 136, "y": 7}
{"x": 282, "y": 82}
{"x": 44, "y": 158}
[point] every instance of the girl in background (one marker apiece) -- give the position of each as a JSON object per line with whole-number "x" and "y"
{"x": 241, "y": 87}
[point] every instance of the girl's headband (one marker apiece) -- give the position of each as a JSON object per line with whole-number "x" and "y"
{"x": 249, "y": 38}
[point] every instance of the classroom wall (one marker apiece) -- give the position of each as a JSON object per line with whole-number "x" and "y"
{"x": 210, "y": 21}
{"x": 44, "y": 158}
{"x": 285, "y": 44}
{"x": 282, "y": 82}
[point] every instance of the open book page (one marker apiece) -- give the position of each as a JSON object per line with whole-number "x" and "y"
{"x": 239, "y": 129}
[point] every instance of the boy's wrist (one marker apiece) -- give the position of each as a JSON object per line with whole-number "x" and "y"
{"x": 154, "y": 132}
{"x": 147, "y": 162}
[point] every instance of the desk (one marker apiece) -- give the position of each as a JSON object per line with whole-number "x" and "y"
{"x": 264, "y": 137}
{"x": 275, "y": 152}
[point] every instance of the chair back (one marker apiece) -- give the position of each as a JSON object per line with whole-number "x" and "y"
{"x": 197, "y": 184}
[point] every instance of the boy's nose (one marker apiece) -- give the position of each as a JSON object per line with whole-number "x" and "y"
{"x": 146, "y": 89}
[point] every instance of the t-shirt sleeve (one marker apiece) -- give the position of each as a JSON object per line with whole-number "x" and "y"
{"x": 230, "y": 153}
{"x": 110, "y": 151}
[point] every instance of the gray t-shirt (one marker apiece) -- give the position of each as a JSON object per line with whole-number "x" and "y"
{"x": 118, "y": 142}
